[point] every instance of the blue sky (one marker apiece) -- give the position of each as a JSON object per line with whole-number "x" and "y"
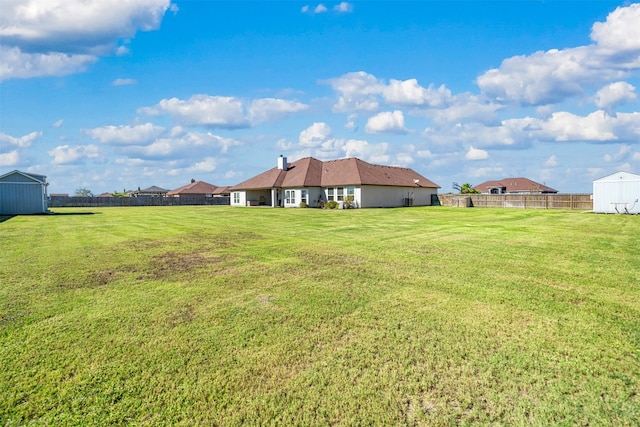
{"x": 111, "y": 95}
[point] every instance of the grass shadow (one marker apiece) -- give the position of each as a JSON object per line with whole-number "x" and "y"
{"x": 4, "y": 218}
{"x": 72, "y": 213}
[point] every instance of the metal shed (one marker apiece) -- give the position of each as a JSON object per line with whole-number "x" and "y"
{"x": 617, "y": 193}
{"x": 23, "y": 193}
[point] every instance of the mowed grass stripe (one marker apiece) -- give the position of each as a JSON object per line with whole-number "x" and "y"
{"x": 233, "y": 316}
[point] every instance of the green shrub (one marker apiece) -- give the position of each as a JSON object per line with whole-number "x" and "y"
{"x": 304, "y": 205}
{"x": 331, "y": 204}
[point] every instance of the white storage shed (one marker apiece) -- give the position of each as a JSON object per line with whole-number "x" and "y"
{"x": 23, "y": 193}
{"x": 617, "y": 193}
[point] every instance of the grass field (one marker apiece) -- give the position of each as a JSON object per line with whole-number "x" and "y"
{"x": 230, "y": 316}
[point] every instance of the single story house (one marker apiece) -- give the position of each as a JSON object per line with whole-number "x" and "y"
{"x": 351, "y": 180}
{"x": 23, "y": 193}
{"x": 514, "y": 186}
{"x": 153, "y": 191}
{"x": 194, "y": 188}
{"x": 617, "y": 193}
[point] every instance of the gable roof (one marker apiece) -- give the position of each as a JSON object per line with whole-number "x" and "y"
{"x": 619, "y": 176}
{"x": 515, "y": 185}
{"x": 311, "y": 172}
{"x": 196, "y": 187}
{"x": 30, "y": 176}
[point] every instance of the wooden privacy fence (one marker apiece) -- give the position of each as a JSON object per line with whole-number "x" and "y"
{"x": 96, "y": 202}
{"x": 582, "y": 202}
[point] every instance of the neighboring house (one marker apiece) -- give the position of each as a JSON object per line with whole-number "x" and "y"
{"x": 23, "y": 193}
{"x": 514, "y": 186}
{"x": 194, "y": 188}
{"x": 105, "y": 195}
{"x": 222, "y": 192}
{"x": 617, "y": 193}
{"x": 351, "y": 180}
{"x": 152, "y": 191}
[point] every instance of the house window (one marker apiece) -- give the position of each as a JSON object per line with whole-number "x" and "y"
{"x": 290, "y": 197}
{"x": 236, "y": 198}
{"x": 351, "y": 193}
{"x": 304, "y": 197}
{"x": 329, "y": 194}
{"x": 340, "y": 194}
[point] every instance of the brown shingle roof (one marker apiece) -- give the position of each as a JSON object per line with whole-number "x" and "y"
{"x": 194, "y": 188}
{"x": 515, "y": 185}
{"x": 311, "y": 172}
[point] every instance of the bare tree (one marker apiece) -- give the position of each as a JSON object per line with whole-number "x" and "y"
{"x": 83, "y": 192}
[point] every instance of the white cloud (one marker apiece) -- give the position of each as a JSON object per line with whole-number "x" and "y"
{"x": 620, "y": 32}
{"x": 66, "y": 154}
{"x": 76, "y": 25}
{"x": 386, "y": 122}
{"x": 271, "y": 109}
{"x": 343, "y": 7}
{"x": 208, "y": 164}
{"x": 10, "y": 158}
{"x": 476, "y": 154}
{"x": 466, "y": 107}
{"x": 404, "y": 159}
{"x": 374, "y": 153}
{"x": 315, "y": 135}
{"x": 351, "y": 121}
{"x": 543, "y": 77}
{"x": 212, "y": 111}
{"x": 122, "y": 51}
{"x": 552, "y": 161}
{"x": 305, "y": 8}
{"x": 425, "y": 154}
{"x": 623, "y": 153}
{"x": 59, "y": 37}
{"x": 410, "y": 93}
{"x": 21, "y": 142}
{"x": 552, "y": 76}
{"x": 320, "y": 8}
{"x": 361, "y": 91}
{"x": 16, "y": 64}
{"x": 123, "y": 82}
{"x": 615, "y": 94}
{"x": 491, "y": 171}
{"x": 58, "y": 123}
{"x": 475, "y": 133}
{"x": 636, "y": 156}
{"x": 183, "y": 145}
{"x": 564, "y": 126}
{"x": 357, "y": 91}
{"x": 126, "y": 135}
{"x": 224, "y": 111}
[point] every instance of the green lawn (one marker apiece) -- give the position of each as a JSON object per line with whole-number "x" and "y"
{"x": 201, "y": 315}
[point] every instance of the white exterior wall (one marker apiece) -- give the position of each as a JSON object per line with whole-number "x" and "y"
{"x": 388, "y": 197}
{"x": 364, "y": 197}
{"x": 620, "y": 190}
{"x": 314, "y": 195}
{"x": 241, "y": 202}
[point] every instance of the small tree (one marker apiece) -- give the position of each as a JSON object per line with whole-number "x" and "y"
{"x": 83, "y": 192}
{"x": 466, "y": 188}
